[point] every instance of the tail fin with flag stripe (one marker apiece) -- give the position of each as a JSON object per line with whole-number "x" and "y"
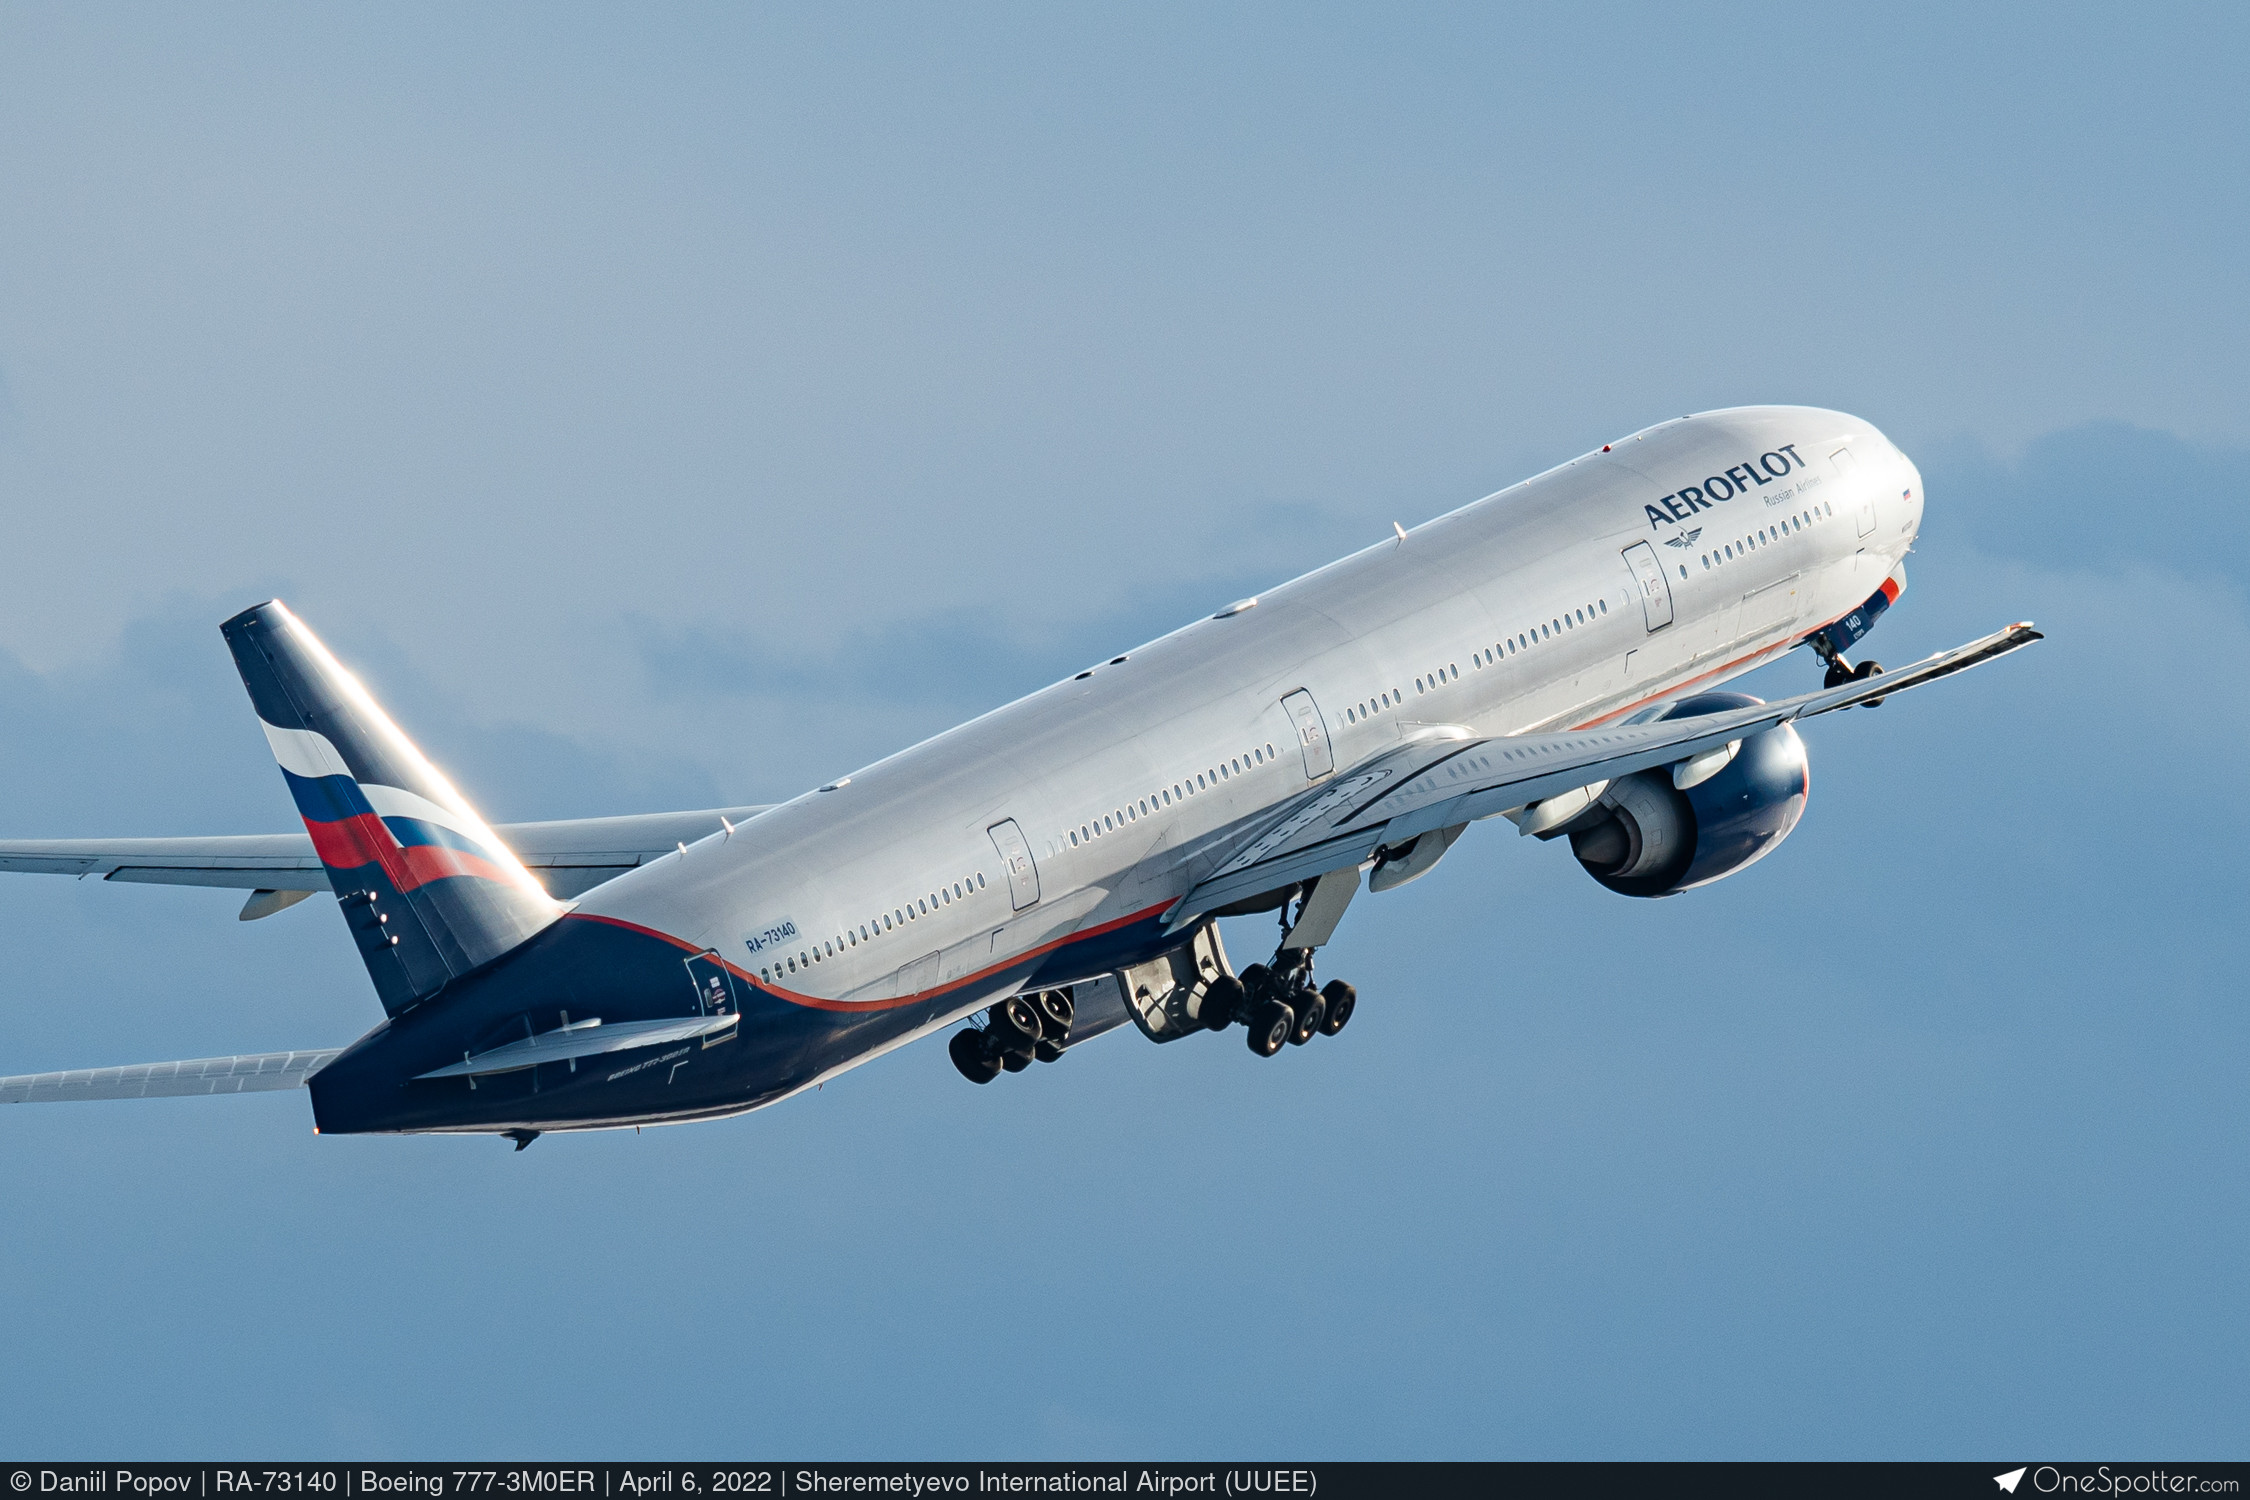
{"x": 429, "y": 891}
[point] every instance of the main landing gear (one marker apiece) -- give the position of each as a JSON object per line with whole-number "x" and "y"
{"x": 1017, "y": 1032}
{"x": 1277, "y": 1003}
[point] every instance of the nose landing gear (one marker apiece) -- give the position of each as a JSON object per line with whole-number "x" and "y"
{"x": 1842, "y": 673}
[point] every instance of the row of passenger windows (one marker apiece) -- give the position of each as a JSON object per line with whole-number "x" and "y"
{"x": 874, "y": 927}
{"x": 1570, "y": 619}
{"x": 1764, "y": 536}
{"x": 1368, "y": 709}
{"x": 1163, "y": 797}
{"x": 1485, "y": 656}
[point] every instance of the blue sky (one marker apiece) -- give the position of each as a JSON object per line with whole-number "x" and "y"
{"x": 679, "y": 407}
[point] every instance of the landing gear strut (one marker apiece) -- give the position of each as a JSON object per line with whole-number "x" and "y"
{"x": 1281, "y": 1005}
{"x": 1842, "y": 673}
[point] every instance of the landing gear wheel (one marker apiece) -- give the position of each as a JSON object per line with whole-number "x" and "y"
{"x": 1270, "y": 1024}
{"x": 1861, "y": 673}
{"x": 1056, "y": 1012}
{"x": 972, "y": 1057}
{"x": 1015, "y": 1025}
{"x": 1048, "y": 1051}
{"x": 1839, "y": 673}
{"x": 1257, "y": 983}
{"x": 1015, "y": 1062}
{"x": 1311, "y": 1011}
{"x": 1223, "y": 1000}
{"x": 1341, "y": 1000}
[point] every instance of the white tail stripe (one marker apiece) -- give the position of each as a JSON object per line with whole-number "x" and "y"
{"x": 303, "y": 752}
{"x": 397, "y": 802}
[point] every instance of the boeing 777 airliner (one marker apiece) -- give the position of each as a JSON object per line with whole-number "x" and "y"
{"x": 1055, "y": 869}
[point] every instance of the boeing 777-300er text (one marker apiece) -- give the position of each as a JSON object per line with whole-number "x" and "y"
{"x": 1054, "y": 869}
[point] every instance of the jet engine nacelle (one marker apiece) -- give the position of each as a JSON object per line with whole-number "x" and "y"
{"x": 1646, "y": 837}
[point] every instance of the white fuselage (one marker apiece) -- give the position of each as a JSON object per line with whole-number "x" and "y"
{"x": 1520, "y": 611}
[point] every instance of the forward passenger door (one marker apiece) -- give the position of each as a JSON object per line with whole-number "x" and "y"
{"x": 1655, "y": 588}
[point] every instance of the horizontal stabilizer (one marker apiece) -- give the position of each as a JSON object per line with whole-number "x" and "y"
{"x": 247, "y": 1074}
{"x": 584, "y": 1039}
{"x": 569, "y": 856}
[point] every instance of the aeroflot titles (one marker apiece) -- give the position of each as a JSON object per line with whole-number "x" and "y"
{"x": 1688, "y": 499}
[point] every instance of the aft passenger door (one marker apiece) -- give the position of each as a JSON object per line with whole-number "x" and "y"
{"x": 1015, "y": 859}
{"x": 714, "y": 992}
{"x": 1656, "y": 589}
{"x": 1312, "y": 734}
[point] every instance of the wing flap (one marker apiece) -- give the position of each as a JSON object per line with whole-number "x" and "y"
{"x": 250, "y": 1073}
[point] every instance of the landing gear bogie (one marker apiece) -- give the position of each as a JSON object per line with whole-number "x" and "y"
{"x": 1017, "y": 1032}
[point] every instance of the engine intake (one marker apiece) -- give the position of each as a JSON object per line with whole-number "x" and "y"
{"x": 1646, "y": 837}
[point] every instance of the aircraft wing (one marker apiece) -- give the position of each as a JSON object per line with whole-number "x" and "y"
{"x": 569, "y": 857}
{"x": 203, "y": 1075}
{"x": 1415, "y": 788}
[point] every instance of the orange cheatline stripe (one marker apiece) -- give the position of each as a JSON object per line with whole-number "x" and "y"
{"x": 815, "y": 1002}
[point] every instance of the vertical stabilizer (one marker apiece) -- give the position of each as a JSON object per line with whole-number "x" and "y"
{"x": 428, "y": 890}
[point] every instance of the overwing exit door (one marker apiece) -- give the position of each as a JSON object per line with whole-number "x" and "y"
{"x": 1015, "y": 859}
{"x": 1312, "y": 733}
{"x": 1656, "y": 589}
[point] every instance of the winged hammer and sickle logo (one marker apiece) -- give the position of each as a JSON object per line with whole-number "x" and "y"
{"x": 1684, "y": 539}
